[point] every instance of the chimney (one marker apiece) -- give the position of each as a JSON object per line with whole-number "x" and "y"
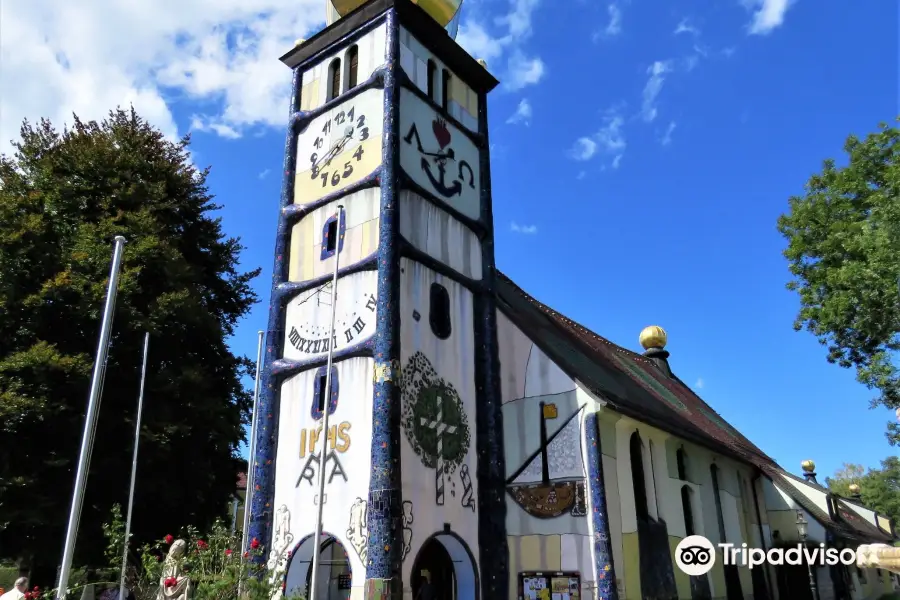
{"x": 809, "y": 471}
{"x": 854, "y": 492}
{"x": 653, "y": 339}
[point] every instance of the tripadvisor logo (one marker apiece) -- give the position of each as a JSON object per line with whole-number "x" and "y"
{"x": 695, "y": 555}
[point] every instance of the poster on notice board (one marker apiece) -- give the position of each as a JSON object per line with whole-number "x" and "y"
{"x": 536, "y": 585}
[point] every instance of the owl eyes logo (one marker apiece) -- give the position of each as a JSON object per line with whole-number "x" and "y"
{"x": 695, "y": 555}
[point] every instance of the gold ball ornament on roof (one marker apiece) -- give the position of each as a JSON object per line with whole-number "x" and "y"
{"x": 483, "y": 63}
{"x": 299, "y": 42}
{"x": 653, "y": 337}
{"x": 808, "y": 466}
{"x": 854, "y": 488}
{"x": 441, "y": 11}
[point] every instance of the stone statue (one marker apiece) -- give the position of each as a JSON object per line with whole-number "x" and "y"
{"x": 173, "y": 585}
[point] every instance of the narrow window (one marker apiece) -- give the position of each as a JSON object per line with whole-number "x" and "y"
{"x": 682, "y": 465}
{"x": 352, "y": 66}
{"x": 687, "y": 507}
{"x": 439, "y": 311}
{"x": 319, "y": 393}
{"x": 653, "y": 481}
{"x": 334, "y": 79}
{"x": 637, "y": 477}
{"x": 432, "y": 70}
{"x": 445, "y": 90}
{"x": 332, "y": 238}
{"x": 714, "y": 475}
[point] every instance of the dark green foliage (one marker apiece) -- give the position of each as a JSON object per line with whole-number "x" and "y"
{"x": 844, "y": 251}
{"x": 63, "y": 198}
{"x": 879, "y": 488}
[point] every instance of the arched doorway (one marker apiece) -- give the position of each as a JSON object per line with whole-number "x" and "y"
{"x": 446, "y": 564}
{"x": 334, "y": 575}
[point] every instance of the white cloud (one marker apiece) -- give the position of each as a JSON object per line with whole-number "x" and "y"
{"x": 523, "y": 71}
{"x": 264, "y": 173}
{"x": 685, "y": 26}
{"x": 515, "y": 70}
{"x": 528, "y": 229}
{"x": 699, "y": 384}
{"x": 657, "y": 72}
{"x": 88, "y": 57}
{"x": 584, "y": 149}
{"x": 522, "y": 114}
{"x": 667, "y": 136}
{"x": 613, "y": 27}
{"x": 769, "y": 15}
{"x": 609, "y": 140}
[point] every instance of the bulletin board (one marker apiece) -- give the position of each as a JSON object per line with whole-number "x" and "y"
{"x": 560, "y": 585}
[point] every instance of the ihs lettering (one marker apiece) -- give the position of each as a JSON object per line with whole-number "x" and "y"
{"x": 338, "y": 439}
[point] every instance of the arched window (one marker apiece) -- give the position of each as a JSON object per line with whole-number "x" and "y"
{"x": 319, "y": 392}
{"x": 439, "y": 311}
{"x": 681, "y": 459}
{"x": 352, "y": 66}
{"x": 445, "y": 89}
{"x": 653, "y": 481}
{"x": 636, "y": 452}
{"x": 334, "y": 79}
{"x": 332, "y": 239}
{"x": 714, "y": 476}
{"x": 432, "y": 71}
{"x": 687, "y": 508}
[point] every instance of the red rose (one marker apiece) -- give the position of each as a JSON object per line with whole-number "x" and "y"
{"x": 36, "y": 589}
{"x": 246, "y": 555}
{"x": 202, "y": 545}
{"x": 159, "y": 559}
{"x": 254, "y": 543}
{"x": 27, "y": 595}
{"x": 228, "y": 552}
{"x": 170, "y": 582}
{"x": 169, "y": 539}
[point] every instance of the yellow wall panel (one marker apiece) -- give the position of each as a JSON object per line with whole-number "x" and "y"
{"x": 746, "y": 581}
{"x": 472, "y": 106}
{"x": 533, "y": 553}
{"x": 717, "y": 578}
{"x": 632, "y": 566}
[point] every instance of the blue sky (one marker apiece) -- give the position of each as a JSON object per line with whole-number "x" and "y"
{"x": 642, "y": 151}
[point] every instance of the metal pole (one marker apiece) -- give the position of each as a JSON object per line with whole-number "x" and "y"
{"x": 90, "y": 421}
{"x": 248, "y": 494}
{"x": 323, "y": 452}
{"x": 137, "y": 435}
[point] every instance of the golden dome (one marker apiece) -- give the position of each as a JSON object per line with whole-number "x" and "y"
{"x": 808, "y": 466}
{"x": 854, "y": 488}
{"x": 653, "y": 337}
{"x": 299, "y": 42}
{"x": 483, "y": 63}
{"x": 441, "y": 11}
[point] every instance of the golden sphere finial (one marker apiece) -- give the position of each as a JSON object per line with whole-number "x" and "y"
{"x": 808, "y": 466}
{"x": 653, "y": 337}
{"x": 854, "y": 488}
{"x": 482, "y": 62}
{"x": 299, "y": 42}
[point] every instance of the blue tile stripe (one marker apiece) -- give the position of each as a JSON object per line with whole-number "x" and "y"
{"x": 384, "y": 502}
{"x": 492, "y": 540}
{"x": 263, "y": 467}
{"x": 604, "y": 573}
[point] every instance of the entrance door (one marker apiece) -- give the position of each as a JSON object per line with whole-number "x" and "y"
{"x": 434, "y": 565}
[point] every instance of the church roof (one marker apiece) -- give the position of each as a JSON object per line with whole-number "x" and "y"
{"x": 631, "y": 383}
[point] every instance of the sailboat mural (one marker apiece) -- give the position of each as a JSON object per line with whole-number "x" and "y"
{"x": 550, "y": 482}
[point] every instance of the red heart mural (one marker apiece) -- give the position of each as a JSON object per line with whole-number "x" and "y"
{"x": 441, "y": 133}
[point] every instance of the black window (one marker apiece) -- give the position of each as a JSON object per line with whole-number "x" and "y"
{"x": 334, "y": 79}
{"x": 445, "y": 90}
{"x": 439, "y": 311}
{"x": 637, "y": 477}
{"x": 319, "y": 393}
{"x": 432, "y": 70}
{"x": 687, "y": 507}
{"x": 682, "y": 464}
{"x": 714, "y": 475}
{"x": 332, "y": 238}
{"x": 352, "y": 66}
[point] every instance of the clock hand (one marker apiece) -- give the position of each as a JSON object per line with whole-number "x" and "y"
{"x": 325, "y": 160}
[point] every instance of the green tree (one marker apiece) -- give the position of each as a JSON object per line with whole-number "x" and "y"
{"x": 879, "y": 488}
{"x": 63, "y": 198}
{"x": 844, "y": 252}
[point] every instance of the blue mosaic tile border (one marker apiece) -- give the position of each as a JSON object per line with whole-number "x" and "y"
{"x": 263, "y": 467}
{"x": 604, "y": 573}
{"x": 384, "y": 502}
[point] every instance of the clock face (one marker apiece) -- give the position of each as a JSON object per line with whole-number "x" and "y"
{"x": 438, "y": 156}
{"x": 339, "y": 147}
{"x": 308, "y": 318}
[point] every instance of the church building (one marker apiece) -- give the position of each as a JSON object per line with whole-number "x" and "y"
{"x": 479, "y": 445}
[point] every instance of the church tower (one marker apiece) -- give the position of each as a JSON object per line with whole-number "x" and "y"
{"x": 387, "y": 172}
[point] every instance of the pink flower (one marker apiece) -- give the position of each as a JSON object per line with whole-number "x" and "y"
{"x": 170, "y": 582}
{"x": 228, "y": 552}
{"x": 169, "y": 539}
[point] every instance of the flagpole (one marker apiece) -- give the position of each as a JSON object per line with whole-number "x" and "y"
{"x": 137, "y": 435}
{"x": 90, "y": 421}
{"x": 248, "y": 494}
{"x": 324, "y": 435}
